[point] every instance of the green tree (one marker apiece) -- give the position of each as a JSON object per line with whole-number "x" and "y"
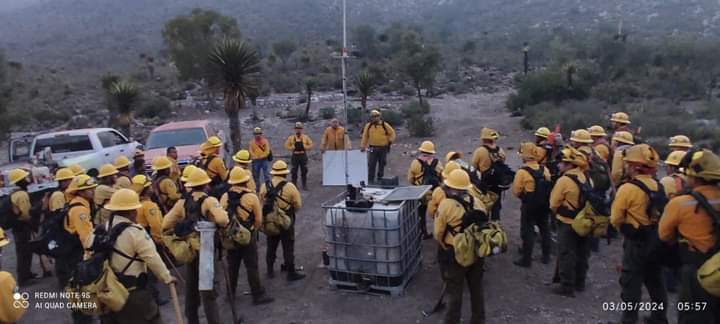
{"x": 365, "y": 84}
{"x": 125, "y": 96}
{"x": 234, "y": 68}
{"x": 420, "y": 64}
{"x": 310, "y": 84}
{"x": 365, "y": 38}
{"x": 284, "y": 49}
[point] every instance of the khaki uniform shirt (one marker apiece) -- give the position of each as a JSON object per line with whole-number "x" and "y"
{"x": 210, "y": 208}
{"x": 135, "y": 242}
{"x": 123, "y": 182}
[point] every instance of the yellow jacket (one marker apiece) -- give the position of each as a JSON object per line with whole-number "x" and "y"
{"x": 696, "y": 227}
{"x": 80, "y": 220}
{"x": 102, "y": 197}
{"x": 259, "y": 151}
{"x": 566, "y": 194}
{"x": 524, "y": 182}
{"x": 248, "y": 202}
{"x": 618, "y": 168}
{"x": 415, "y": 172}
{"x": 57, "y": 201}
{"x": 8, "y": 312}
{"x": 135, "y": 242}
{"x": 673, "y": 184}
{"x": 602, "y": 150}
{"x": 307, "y": 143}
{"x": 438, "y": 195}
{"x": 482, "y": 159}
{"x": 290, "y": 194}
{"x": 175, "y": 171}
{"x": 150, "y": 217}
{"x": 216, "y": 167}
{"x": 335, "y": 139}
{"x": 211, "y": 209}
{"x": 450, "y": 214}
{"x": 122, "y": 182}
{"x": 168, "y": 194}
{"x": 251, "y": 183}
{"x": 21, "y": 205}
{"x": 380, "y": 134}
{"x": 630, "y": 204}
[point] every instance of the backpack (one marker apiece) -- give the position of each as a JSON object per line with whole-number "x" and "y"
{"x": 430, "y": 176}
{"x": 657, "y": 199}
{"x": 53, "y": 240}
{"x": 275, "y": 219}
{"x": 591, "y": 217}
{"x": 237, "y": 232}
{"x": 193, "y": 214}
{"x": 599, "y": 172}
{"x": 499, "y": 176}
{"x": 540, "y": 198}
{"x": 8, "y": 219}
{"x": 470, "y": 238}
{"x": 708, "y": 274}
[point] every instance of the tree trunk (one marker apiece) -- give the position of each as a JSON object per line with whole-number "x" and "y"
{"x": 363, "y": 102}
{"x": 232, "y": 109}
{"x": 307, "y": 107}
{"x": 124, "y": 122}
{"x": 419, "y": 92}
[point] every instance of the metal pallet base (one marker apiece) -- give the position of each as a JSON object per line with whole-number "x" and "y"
{"x": 375, "y": 289}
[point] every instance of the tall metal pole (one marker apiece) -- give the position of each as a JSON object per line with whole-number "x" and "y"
{"x": 344, "y": 89}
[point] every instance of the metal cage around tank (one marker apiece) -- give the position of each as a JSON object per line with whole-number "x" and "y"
{"x": 372, "y": 249}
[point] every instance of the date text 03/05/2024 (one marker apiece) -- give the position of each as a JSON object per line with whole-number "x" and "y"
{"x": 652, "y": 306}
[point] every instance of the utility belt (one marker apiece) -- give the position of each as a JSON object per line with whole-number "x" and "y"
{"x": 640, "y": 234}
{"x": 133, "y": 282}
{"x": 377, "y": 148}
{"x": 691, "y": 257}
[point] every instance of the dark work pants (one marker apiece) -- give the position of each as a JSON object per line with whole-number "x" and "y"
{"x": 422, "y": 218}
{"x": 21, "y": 234}
{"x": 287, "y": 239}
{"x": 140, "y": 308}
{"x": 377, "y": 158}
{"x": 64, "y": 267}
{"x": 299, "y": 161}
{"x": 639, "y": 269}
{"x": 497, "y": 206}
{"x": 691, "y": 293}
{"x": 249, "y": 255}
{"x": 528, "y": 219}
{"x": 457, "y": 275}
{"x": 574, "y": 253}
{"x": 193, "y": 297}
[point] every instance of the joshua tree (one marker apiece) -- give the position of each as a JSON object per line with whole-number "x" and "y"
{"x": 124, "y": 95}
{"x": 310, "y": 84}
{"x": 570, "y": 69}
{"x": 234, "y": 66}
{"x": 365, "y": 84}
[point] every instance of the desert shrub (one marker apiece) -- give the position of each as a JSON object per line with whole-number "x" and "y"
{"x": 548, "y": 85}
{"x": 283, "y": 83}
{"x": 50, "y": 115}
{"x": 570, "y": 115}
{"x": 414, "y": 108}
{"x": 615, "y": 92}
{"x": 419, "y": 126}
{"x": 393, "y": 118}
{"x": 154, "y": 107}
{"x": 407, "y": 91}
{"x": 327, "y": 113}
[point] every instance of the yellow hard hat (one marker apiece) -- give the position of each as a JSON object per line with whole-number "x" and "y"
{"x": 279, "y": 168}
{"x": 16, "y": 175}
{"x": 3, "y": 239}
{"x": 197, "y": 178}
{"x": 581, "y": 136}
{"x": 186, "y": 172}
{"x": 299, "y": 125}
{"x": 122, "y": 162}
{"x": 375, "y": 113}
{"x": 161, "y": 163}
{"x": 704, "y": 164}
{"x": 138, "y": 153}
{"x": 238, "y": 175}
{"x": 597, "y": 130}
{"x": 452, "y": 155}
{"x": 528, "y": 151}
{"x": 571, "y": 155}
{"x": 680, "y": 141}
{"x": 624, "y": 137}
{"x": 124, "y": 200}
{"x": 257, "y": 131}
{"x": 643, "y": 154}
{"x": 450, "y": 167}
{"x": 543, "y": 132}
{"x": 82, "y": 182}
{"x": 242, "y": 156}
{"x": 675, "y": 157}
{"x": 620, "y": 117}
{"x": 427, "y": 147}
{"x": 107, "y": 170}
{"x": 488, "y": 134}
{"x": 77, "y": 169}
{"x": 64, "y": 174}
{"x": 458, "y": 179}
{"x": 214, "y": 141}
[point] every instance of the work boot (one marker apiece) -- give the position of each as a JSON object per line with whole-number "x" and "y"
{"x": 262, "y": 300}
{"x": 293, "y": 275}
{"x": 523, "y": 262}
{"x": 564, "y": 291}
{"x": 545, "y": 259}
{"x": 580, "y": 287}
{"x": 270, "y": 271}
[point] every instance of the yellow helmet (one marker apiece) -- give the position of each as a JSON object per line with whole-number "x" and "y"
{"x": 680, "y": 141}
{"x": 214, "y": 141}
{"x": 375, "y": 113}
{"x": 299, "y": 125}
{"x": 620, "y": 118}
{"x": 571, "y": 155}
{"x": 675, "y": 157}
{"x": 64, "y": 174}
{"x": 139, "y": 183}
{"x": 452, "y": 155}
{"x": 279, "y": 168}
{"x": 81, "y": 182}
{"x": 122, "y": 162}
{"x": 449, "y": 168}
{"x": 161, "y": 163}
{"x": 238, "y": 175}
{"x": 427, "y": 147}
{"x": 242, "y": 156}
{"x": 257, "y": 131}
{"x": 704, "y": 164}
{"x": 16, "y": 175}
{"x": 597, "y": 130}
{"x": 488, "y": 134}
{"x": 581, "y": 136}
{"x": 543, "y": 132}
{"x": 528, "y": 151}
{"x": 458, "y": 179}
{"x": 643, "y": 154}
{"x": 197, "y": 178}
{"x": 77, "y": 169}
{"x": 3, "y": 239}
{"x": 187, "y": 172}
{"x": 124, "y": 200}
{"x": 107, "y": 170}
{"x": 624, "y": 137}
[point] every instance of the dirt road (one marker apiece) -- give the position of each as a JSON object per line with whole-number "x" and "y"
{"x": 512, "y": 294}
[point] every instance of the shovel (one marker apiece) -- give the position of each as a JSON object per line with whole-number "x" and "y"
{"x": 176, "y": 304}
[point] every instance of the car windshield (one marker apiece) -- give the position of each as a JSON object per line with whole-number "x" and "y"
{"x": 176, "y": 137}
{"x": 64, "y": 144}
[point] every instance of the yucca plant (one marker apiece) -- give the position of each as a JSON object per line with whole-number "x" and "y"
{"x": 310, "y": 84}
{"x": 125, "y": 95}
{"x": 234, "y": 67}
{"x": 365, "y": 84}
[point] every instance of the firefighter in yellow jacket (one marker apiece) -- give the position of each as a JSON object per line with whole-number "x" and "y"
{"x": 203, "y": 206}
{"x": 633, "y": 214}
{"x": 12, "y": 309}
{"x": 377, "y": 138}
{"x": 675, "y": 181}
{"x": 482, "y": 160}
{"x": 79, "y": 223}
{"x": 287, "y": 198}
{"x": 565, "y": 203}
{"x": 534, "y": 210}
{"x": 172, "y": 154}
{"x": 135, "y": 254}
{"x": 621, "y": 141}
{"x": 688, "y": 223}
{"x": 438, "y": 195}
{"x": 166, "y": 189}
{"x": 600, "y": 143}
{"x": 298, "y": 145}
{"x": 212, "y": 163}
{"x": 242, "y": 160}
{"x": 449, "y": 221}
{"x": 122, "y": 164}
{"x": 620, "y": 122}
{"x": 243, "y": 203}
{"x": 3, "y": 242}
{"x": 545, "y": 148}
{"x": 22, "y": 229}
{"x": 334, "y": 138}
{"x": 260, "y": 151}
{"x": 425, "y": 170}
{"x": 680, "y": 143}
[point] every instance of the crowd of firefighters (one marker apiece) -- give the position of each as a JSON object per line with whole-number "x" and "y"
{"x": 157, "y": 202}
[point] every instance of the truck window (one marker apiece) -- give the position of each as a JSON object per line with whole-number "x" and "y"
{"x": 110, "y": 139}
{"x": 176, "y": 137}
{"x": 64, "y": 144}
